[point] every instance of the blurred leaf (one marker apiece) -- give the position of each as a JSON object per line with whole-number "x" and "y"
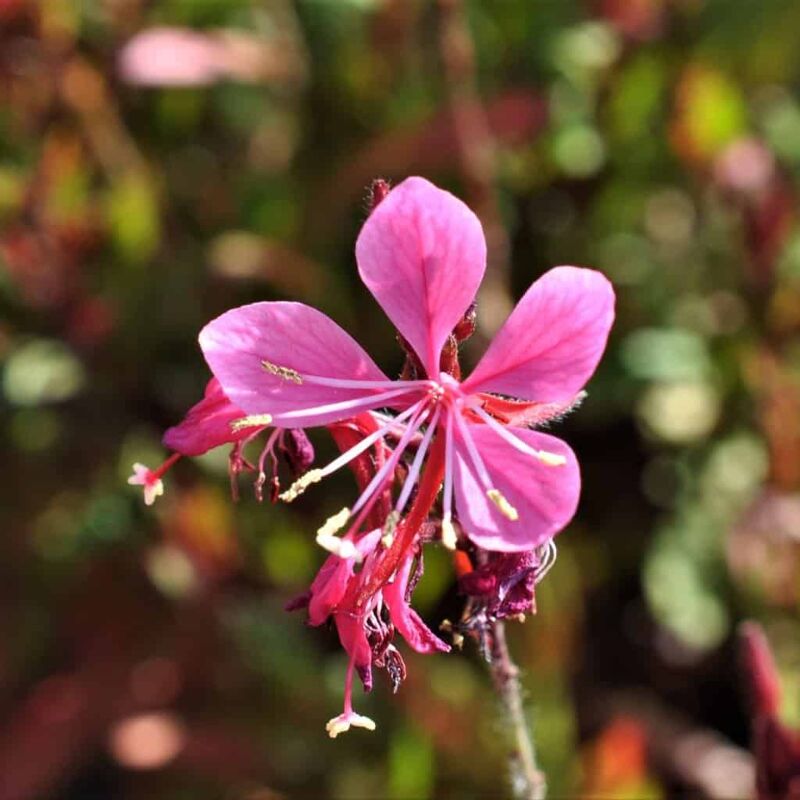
{"x": 42, "y": 371}
{"x": 133, "y": 217}
{"x": 710, "y": 112}
{"x": 635, "y": 104}
{"x": 666, "y": 354}
{"x": 411, "y": 765}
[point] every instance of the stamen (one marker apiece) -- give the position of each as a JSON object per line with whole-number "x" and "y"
{"x": 389, "y": 528}
{"x": 268, "y": 450}
{"x": 503, "y": 506}
{"x": 334, "y": 523}
{"x": 447, "y": 490}
{"x": 449, "y": 535}
{"x": 326, "y": 538}
{"x": 256, "y": 420}
{"x": 347, "y": 383}
{"x": 388, "y": 467}
{"x": 316, "y": 475}
{"x": 364, "y": 402}
{"x": 300, "y": 485}
{"x": 416, "y": 464}
{"x": 346, "y": 457}
{"x": 546, "y": 457}
{"x": 286, "y": 373}
{"x": 343, "y": 548}
{"x": 472, "y": 451}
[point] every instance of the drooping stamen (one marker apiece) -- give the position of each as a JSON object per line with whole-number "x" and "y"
{"x": 334, "y": 523}
{"x": 327, "y": 539}
{"x": 547, "y": 458}
{"x": 416, "y": 464}
{"x": 253, "y": 421}
{"x": 494, "y": 494}
{"x": 392, "y": 461}
{"x": 300, "y": 485}
{"x": 268, "y": 450}
{"x": 316, "y": 475}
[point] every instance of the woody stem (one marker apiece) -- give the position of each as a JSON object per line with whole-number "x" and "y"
{"x": 527, "y": 781}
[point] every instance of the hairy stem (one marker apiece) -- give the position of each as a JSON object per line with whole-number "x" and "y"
{"x": 527, "y": 781}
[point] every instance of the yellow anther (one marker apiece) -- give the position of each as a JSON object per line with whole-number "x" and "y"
{"x": 550, "y": 459}
{"x": 335, "y": 523}
{"x": 449, "y": 534}
{"x": 327, "y": 539}
{"x": 503, "y": 506}
{"x": 344, "y": 722}
{"x": 343, "y": 548}
{"x": 254, "y": 421}
{"x": 286, "y": 373}
{"x": 300, "y": 485}
{"x": 458, "y": 641}
{"x": 389, "y": 528}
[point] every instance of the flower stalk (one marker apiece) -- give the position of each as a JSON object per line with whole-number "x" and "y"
{"x": 527, "y": 780}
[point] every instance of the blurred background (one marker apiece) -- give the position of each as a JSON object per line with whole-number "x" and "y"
{"x": 164, "y": 160}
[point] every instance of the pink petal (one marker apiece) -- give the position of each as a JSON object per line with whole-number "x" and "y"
{"x": 206, "y": 425}
{"x": 545, "y": 497}
{"x": 422, "y": 254}
{"x": 331, "y": 582}
{"x": 550, "y": 345}
{"x": 405, "y": 619}
{"x": 171, "y": 57}
{"x": 354, "y": 640}
{"x": 328, "y": 588}
{"x": 292, "y": 336}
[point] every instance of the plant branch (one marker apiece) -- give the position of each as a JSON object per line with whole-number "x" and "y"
{"x": 527, "y": 781}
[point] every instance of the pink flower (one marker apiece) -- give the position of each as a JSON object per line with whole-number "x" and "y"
{"x": 504, "y": 488}
{"x": 422, "y": 255}
{"x": 182, "y": 57}
{"x": 172, "y": 57}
